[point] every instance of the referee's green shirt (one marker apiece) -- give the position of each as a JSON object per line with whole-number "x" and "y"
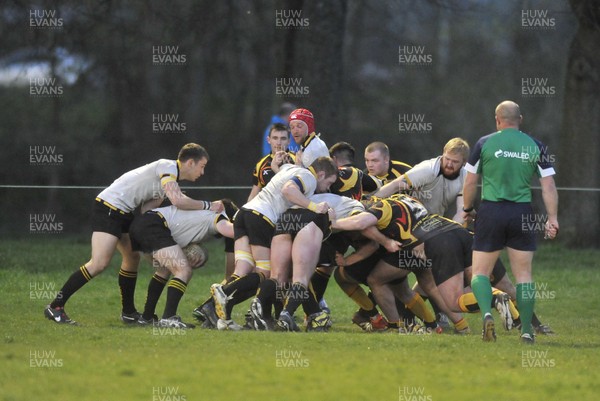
{"x": 506, "y": 161}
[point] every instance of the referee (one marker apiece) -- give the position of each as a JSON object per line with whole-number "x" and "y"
{"x": 506, "y": 160}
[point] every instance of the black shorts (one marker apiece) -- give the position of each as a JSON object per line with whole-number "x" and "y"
{"x": 294, "y": 220}
{"x": 258, "y": 228}
{"x": 108, "y": 219}
{"x": 404, "y": 259}
{"x": 449, "y": 254}
{"x": 359, "y": 271}
{"x": 503, "y": 224}
{"x": 149, "y": 232}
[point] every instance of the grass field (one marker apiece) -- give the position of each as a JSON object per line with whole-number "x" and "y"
{"x": 101, "y": 359}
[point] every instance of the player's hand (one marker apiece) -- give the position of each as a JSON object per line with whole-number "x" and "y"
{"x": 551, "y": 229}
{"x": 217, "y": 206}
{"x": 322, "y": 208}
{"x": 331, "y": 214}
{"x": 299, "y": 158}
{"x": 339, "y": 259}
{"x": 392, "y": 245}
{"x": 278, "y": 160}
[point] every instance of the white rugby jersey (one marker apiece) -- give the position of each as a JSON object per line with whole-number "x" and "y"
{"x": 141, "y": 185}
{"x": 270, "y": 202}
{"x": 343, "y": 206}
{"x": 313, "y": 148}
{"x": 189, "y": 226}
{"x": 430, "y": 186}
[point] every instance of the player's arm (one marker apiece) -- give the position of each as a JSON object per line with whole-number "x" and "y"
{"x": 253, "y": 192}
{"x": 225, "y": 228}
{"x": 361, "y": 254}
{"x": 392, "y": 187}
{"x": 469, "y": 192}
{"x": 291, "y": 191}
{"x": 550, "y": 198}
{"x": 151, "y": 204}
{"x": 374, "y": 234}
{"x": 184, "y": 202}
{"x": 357, "y": 222}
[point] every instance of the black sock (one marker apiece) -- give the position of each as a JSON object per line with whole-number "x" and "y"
{"x": 372, "y": 312}
{"x": 175, "y": 291}
{"x": 77, "y": 280}
{"x": 296, "y": 295}
{"x": 310, "y": 304}
{"x": 266, "y": 295}
{"x": 319, "y": 282}
{"x": 278, "y": 304}
{"x": 241, "y": 289}
{"x": 127, "y": 282}
{"x": 155, "y": 289}
{"x": 406, "y": 314}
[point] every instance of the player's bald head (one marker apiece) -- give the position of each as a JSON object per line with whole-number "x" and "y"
{"x": 508, "y": 112}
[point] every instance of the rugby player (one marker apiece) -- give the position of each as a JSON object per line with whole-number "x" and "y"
{"x": 113, "y": 214}
{"x": 379, "y": 165}
{"x": 402, "y": 222}
{"x": 268, "y": 166}
{"x": 254, "y": 227}
{"x": 163, "y": 232}
{"x": 302, "y": 127}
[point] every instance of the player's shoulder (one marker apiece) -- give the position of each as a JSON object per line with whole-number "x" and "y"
{"x": 400, "y": 165}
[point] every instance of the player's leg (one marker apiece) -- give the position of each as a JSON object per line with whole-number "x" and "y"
{"x": 155, "y": 288}
{"x": 377, "y": 280}
{"x": 103, "y": 248}
{"x": 413, "y": 304}
{"x": 483, "y": 263}
{"x": 305, "y": 256}
{"x": 173, "y": 258}
{"x": 271, "y": 289}
{"x": 127, "y": 279}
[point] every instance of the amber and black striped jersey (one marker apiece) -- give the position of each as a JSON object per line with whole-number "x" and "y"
{"x": 396, "y": 169}
{"x": 352, "y": 182}
{"x": 263, "y": 172}
{"x": 406, "y": 220}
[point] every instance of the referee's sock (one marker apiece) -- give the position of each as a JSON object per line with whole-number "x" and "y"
{"x": 127, "y": 282}
{"x": 526, "y": 300}
{"x": 176, "y": 289}
{"x": 483, "y": 293}
{"x": 77, "y": 280}
{"x": 155, "y": 289}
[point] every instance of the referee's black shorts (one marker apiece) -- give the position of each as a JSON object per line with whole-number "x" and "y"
{"x": 108, "y": 219}
{"x": 503, "y": 224}
{"x": 149, "y": 232}
{"x": 252, "y": 224}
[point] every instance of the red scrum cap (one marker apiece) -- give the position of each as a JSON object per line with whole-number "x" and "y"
{"x": 303, "y": 115}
